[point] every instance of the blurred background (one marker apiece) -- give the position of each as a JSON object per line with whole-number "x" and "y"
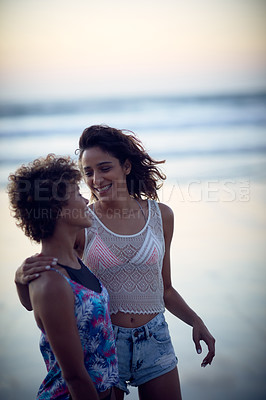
{"x": 189, "y": 78}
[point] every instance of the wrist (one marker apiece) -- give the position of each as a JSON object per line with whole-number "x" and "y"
{"x": 196, "y": 320}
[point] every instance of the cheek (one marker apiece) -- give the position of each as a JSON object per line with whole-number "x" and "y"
{"x": 89, "y": 184}
{"x": 88, "y": 181}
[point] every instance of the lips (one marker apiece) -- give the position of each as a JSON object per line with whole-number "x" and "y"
{"x": 103, "y": 189}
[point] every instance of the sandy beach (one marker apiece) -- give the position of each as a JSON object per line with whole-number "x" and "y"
{"x": 218, "y": 266}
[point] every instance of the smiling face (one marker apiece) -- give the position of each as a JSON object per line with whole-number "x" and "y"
{"x": 104, "y": 174}
{"x": 75, "y": 212}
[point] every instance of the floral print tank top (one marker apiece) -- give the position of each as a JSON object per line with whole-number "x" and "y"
{"x": 97, "y": 339}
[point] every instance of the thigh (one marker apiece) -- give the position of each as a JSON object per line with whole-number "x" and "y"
{"x": 166, "y": 386}
{"x": 153, "y": 353}
{"x": 124, "y": 355}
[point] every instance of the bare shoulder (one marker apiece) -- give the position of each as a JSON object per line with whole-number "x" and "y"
{"x": 52, "y": 300}
{"x": 167, "y": 212}
{"x": 168, "y": 221}
{"x": 49, "y": 285}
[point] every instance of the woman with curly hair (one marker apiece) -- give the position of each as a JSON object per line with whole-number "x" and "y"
{"x": 128, "y": 248}
{"x": 70, "y": 304}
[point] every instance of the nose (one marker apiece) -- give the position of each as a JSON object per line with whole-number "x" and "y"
{"x": 97, "y": 178}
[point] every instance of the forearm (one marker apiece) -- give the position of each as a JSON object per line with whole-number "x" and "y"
{"x": 23, "y": 294}
{"x": 178, "y": 307}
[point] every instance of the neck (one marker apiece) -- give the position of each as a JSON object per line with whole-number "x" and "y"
{"x": 126, "y": 203}
{"x": 61, "y": 246}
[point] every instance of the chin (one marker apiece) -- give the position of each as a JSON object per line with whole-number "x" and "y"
{"x": 105, "y": 196}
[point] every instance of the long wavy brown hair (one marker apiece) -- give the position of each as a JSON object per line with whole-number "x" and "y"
{"x": 145, "y": 177}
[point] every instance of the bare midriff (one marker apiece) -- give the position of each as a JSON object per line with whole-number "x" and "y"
{"x": 126, "y": 320}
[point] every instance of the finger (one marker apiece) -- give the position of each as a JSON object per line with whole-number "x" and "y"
{"x": 197, "y": 344}
{"x": 32, "y": 277}
{"x": 39, "y": 259}
{"x": 198, "y": 348}
{"x": 208, "y": 359}
{"x": 211, "y": 347}
{"x": 38, "y": 265}
{"x": 205, "y": 362}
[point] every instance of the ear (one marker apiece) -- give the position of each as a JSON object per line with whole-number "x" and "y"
{"x": 127, "y": 167}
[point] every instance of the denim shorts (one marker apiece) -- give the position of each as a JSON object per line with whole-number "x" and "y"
{"x": 144, "y": 353}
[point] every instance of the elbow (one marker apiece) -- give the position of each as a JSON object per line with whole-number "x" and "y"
{"x": 73, "y": 377}
{"x": 28, "y": 307}
{"x": 77, "y": 381}
{"x": 26, "y": 304}
{"x": 72, "y": 380}
{"x": 167, "y": 296}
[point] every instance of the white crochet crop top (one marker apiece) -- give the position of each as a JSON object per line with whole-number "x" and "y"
{"x": 129, "y": 266}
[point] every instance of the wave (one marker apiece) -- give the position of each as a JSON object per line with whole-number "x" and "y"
{"x": 216, "y": 130}
{"x": 170, "y": 154}
{"x": 257, "y": 150}
{"x": 56, "y": 107}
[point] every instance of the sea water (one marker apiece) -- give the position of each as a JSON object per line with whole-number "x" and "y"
{"x": 215, "y": 152}
{"x": 201, "y": 137}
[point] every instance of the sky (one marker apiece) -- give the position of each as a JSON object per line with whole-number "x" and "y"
{"x": 84, "y": 48}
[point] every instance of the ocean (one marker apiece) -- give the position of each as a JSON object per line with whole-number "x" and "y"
{"x": 215, "y": 152}
{"x": 201, "y": 137}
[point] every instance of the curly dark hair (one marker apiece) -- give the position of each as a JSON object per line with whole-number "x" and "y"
{"x": 142, "y": 181}
{"x": 38, "y": 191}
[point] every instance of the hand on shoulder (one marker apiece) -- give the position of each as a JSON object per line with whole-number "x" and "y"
{"x": 31, "y": 267}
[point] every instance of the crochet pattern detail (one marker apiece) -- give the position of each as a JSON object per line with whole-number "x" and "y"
{"x": 129, "y": 266}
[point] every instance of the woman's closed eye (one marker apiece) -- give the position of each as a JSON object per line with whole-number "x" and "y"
{"x": 88, "y": 173}
{"x": 105, "y": 169}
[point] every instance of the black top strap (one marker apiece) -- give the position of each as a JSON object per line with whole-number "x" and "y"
{"x": 83, "y": 276}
